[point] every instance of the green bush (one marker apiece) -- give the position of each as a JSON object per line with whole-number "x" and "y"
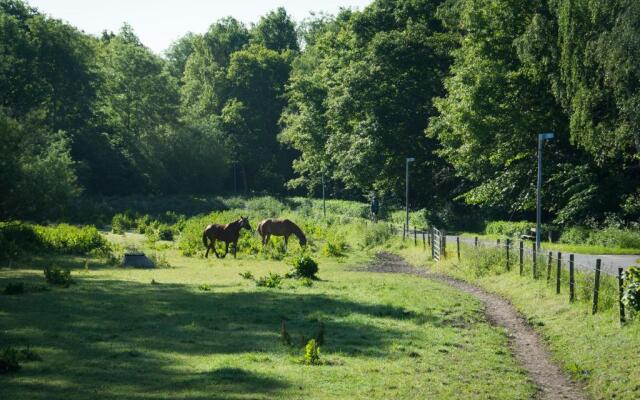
{"x": 68, "y": 239}
{"x": 607, "y": 237}
{"x": 120, "y": 223}
{"x": 246, "y": 275}
{"x": 377, "y": 234}
{"x": 311, "y": 353}
{"x": 58, "y": 276}
{"x": 631, "y": 294}
{"x": 575, "y": 235}
{"x": 335, "y": 246}
{"x": 18, "y": 238}
{"x": 306, "y": 282}
{"x": 271, "y": 280}
{"x": 304, "y": 267}
{"x": 509, "y": 228}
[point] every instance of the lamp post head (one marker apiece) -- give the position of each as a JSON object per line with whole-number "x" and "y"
{"x": 545, "y": 136}
{"x": 410, "y": 159}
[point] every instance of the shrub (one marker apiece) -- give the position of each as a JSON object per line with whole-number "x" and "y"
{"x": 246, "y": 275}
{"x": 631, "y": 294}
{"x": 509, "y": 228}
{"x": 335, "y": 246}
{"x": 271, "y": 280}
{"x": 608, "y": 237}
{"x": 120, "y": 223}
{"x": 307, "y": 282}
{"x": 58, "y": 276}
{"x": 377, "y": 234}
{"x": 68, "y": 239}
{"x": 9, "y": 360}
{"x": 304, "y": 267}
{"x": 16, "y": 238}
{"x": 14, "y": 288}
{"x": 575, "y": 235}
{"x": 204, "y": 287}
{"x": 312, "y": 353}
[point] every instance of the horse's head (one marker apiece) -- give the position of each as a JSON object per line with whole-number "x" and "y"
{"x": 303, "y": 240}
{"x": 244, "y": 223}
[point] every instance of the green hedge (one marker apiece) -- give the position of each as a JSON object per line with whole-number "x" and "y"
{"x": 19, "y": 238}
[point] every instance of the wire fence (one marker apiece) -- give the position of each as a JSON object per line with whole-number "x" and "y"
{"x": 581, "y": 282}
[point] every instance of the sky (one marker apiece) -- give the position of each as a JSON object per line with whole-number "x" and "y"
{"x": 159, "y": 22}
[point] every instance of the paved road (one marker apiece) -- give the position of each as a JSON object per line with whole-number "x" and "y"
{"x": 610, "y": 262}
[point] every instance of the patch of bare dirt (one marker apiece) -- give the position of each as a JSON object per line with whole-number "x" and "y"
{"x": 525, "y": 343}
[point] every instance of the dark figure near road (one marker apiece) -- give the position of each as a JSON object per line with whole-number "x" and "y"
{"x": 375, "y": 207}
{"x": 228, "y": 233}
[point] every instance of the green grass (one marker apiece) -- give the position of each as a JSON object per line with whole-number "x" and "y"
{"x": 593, "y": 349}
{"x": 202, "y": 331}
{"x": 565, "y": 247}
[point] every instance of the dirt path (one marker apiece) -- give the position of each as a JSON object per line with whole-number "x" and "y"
{"x": 525, "y": 343}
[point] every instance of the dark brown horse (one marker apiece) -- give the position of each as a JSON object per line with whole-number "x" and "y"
{"x": 228, "y": 233}
{"x": 280, "y": 227}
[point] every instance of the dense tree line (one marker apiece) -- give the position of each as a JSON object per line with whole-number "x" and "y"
{"x": 464, "y": 86}
{"x": 481, "y": 78}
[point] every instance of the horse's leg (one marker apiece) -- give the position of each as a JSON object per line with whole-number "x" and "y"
{"x": 226, "y": 249}
{"x": 235, "y": 248}
{"x": 213, "y": 247}
{"x": 206, "y": 253}
{"x": 286, "y": 241}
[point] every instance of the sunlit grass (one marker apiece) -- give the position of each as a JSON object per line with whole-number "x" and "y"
{"x": 593, "y": 349}
{"x": 115, "y": 335}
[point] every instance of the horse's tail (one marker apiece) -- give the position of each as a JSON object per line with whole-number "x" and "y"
{"x": 204, "y": 239}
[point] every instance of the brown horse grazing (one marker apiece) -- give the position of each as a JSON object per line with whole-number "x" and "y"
{"x": 228, "y": 233}
{"x": 280, "y": 227}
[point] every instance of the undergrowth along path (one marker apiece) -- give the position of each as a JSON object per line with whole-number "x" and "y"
{"x": 526, "y": 345}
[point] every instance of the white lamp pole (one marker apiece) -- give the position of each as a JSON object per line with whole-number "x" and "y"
{"x": 407, "y": 161}
{"x": 542, "y": 137}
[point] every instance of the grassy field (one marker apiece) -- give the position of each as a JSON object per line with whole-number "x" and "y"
{"x": 594, "y": 349}
{"x": 196, "y": 329}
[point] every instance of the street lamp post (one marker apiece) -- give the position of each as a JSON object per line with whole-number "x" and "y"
{"x": 324, "y": 207}
{"x": 407, "y": 161}
{"x": 542, "y": 137}
{"x": 235, "y": 184}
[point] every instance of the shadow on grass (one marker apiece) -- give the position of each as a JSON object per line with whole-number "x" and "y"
{"x": 105, "y": 338}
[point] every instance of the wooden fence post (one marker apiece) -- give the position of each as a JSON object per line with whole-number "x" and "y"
{"x": 535, "y": 261}
{"x": 415, "y": 236}
{"x": 521, "y": 257}
{"x": 620, "y": 294}
{"x": 433, "y": 244}
{"x": 443, "y": 248}
{"x": 458, "y": 246}
{"x": 424, "y": 240}
{"x": 549, "y": 267}
{"x": 475, "y": 242}
{"x": 404, "y": 231}
{"x": 498, "y": 242}
{"x": 558, "y": 273}
{"x": 596, "y": 287}
{"x": 572, "y": 281}
{"x": 508, "y": 243}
